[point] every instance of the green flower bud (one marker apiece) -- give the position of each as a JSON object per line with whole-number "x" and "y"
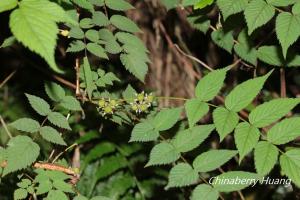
{"x": 143, "y": 107}
{"x": 140, "y": 97}
{"x": 113, "y": 103}
{"x": 101, "y": 103}
{"x": 108, "y": 110}
{"x": 134, "y": 107}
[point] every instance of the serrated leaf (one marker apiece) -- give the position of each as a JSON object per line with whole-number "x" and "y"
{"x": 225, "y": 121}
{"x": 119, "y": 5}
{"x": 7, "y": 5}
{"x": 24, "y": 183}
{"x": 258, "y": 13}
{"x": 243, "y": 94}
{"x": 166, "y": 118}
{"x": 246, "y": 137}
{"x": 213, "y": 159}
{"x": 51, "y": 135}
{"x": 290, "y": 165}
{"x": 70, "y": 103}
{"x": 76, "y": 46}
{"x": 88, "y": 77}
{"x": 206, "y": 192}
{"x": 285, "y": 131}
{"x": 83, "y": 4}
{"x": 26, "y": 125}
{"x": 265, "y": 157}
{"x": 21, "y": 152}
{"x": 144, "y": 132}
{"x": 134, "y": 65}
{"x": 106, "y": 35}
{"x": 223, "y": 39}
{"x": 56, "y": 194}
{"x": 269, "y": 112}
{"x": 92, "y": 35}
{"x": 195, "y": 110}
{"x": 100, "y": 19}
{"x": 181, "y": 175}
{"x": 245, "y": 48}
{"x": 230, "y": 7}
{"x": 129, "y": 93}
{"x": 132, "y": 40}
{"x": 39, "y": 104}
{"x": 54, "y": 91}
{"x": 76, "y": 32}
{"x": 201, "y": 23}
{"x": 97, "y": 50}
{"x": 63, "y": 186}
{"x": 163, "y": 153}
{"x": 124, "y": 24}
{"x": 203, "y": 3}
{"x": 191, "y": 138}
{"x": 210, "y": 85}
{"x": 44, "y": 187}
{"x": 230, "y": 185}
{"x": 86, "y": 23}
{"x": 287, "y": 30}
{"x": 59, "y": 120}
{"x": 281, "y": 2}
{"x": 20, "y": 193}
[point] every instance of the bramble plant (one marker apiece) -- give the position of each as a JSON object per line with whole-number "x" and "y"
{"x": 89, "y": 143}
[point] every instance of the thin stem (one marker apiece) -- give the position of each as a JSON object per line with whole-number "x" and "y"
{"x": 7, "y": 78}
{"x": 61, "y": 153}
{"x": 5, "y": 127}
{"x": 282, "y": 83}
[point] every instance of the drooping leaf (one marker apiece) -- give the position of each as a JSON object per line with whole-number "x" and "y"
{"x": 39, "y": 104}
{"x": 134, "y": 65}
{"x": 230, "y": 7}
{"x": 206, "y": 192}
{"x": 195, "y": 110}
{"x": 210, "y": 85}
{"x": 225, "y": 121}
{"x": 246, "y": 137}
{"x": 144, "y": 132}
{"x": 163, "y": 153}
{"x": 52, "y": 135}
{"x": 284, "y": 131}
{"x": 201, "y": 23}
{"x": 21, "y": 152}
{"x": 211, "y": 160}
{"x": 8, "y": 42}
{"x": 265, "y": 157}
{"x": 124, "y": 24}
{"x": 166, "y": 118}
{"x": 287, "y": 30}
{"x": 54, "y": 91}
{"x": 26, "y": 125}
{"x": 88, "y": 77}
{"x": 119, "y": 5}
{"x": 191, "y": 138}
{"x": 243, "y": 94}
{"x": 59, "y": 120}
{"x": 223, "y": 39}
{"x": 181, "y": 175}
{"x": 258, "y": 13}
{"x": 290, "y": 165}
{"x": 269, "y": 112}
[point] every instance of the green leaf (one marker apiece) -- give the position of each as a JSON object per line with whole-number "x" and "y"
{"x": 134, "y": 65}
{"x": 76, "y": 46}
{"x": 98, "y": 151}
{"x": 290, "y": 165}
{"x": 163, "y": 153}
{"x": 170, "y": 4}
{"x": 124, "y": 24}
{"x": 59, "y": 120}
{"x": 191, "y": 138}
{"x": 8, "y": 42}
{"x": 129, "y": 93}
{"x": 189, "y": 2}
{"x": 119, "y": 5}
{"x": 246, "y": 137}
{"x": 86, "y": 23}
{"x": 296, "y": 8}
{"x": 245, "y": 48}
{"x": 223, "y": 39}
{"x": 80, "y": 197}
{"x": 285, "y": 131}
{"x": 24, "y": 183}
{"x": 70, "y": 103}
{"x": 44, "y": 187}
{"x": 21, "y": 152}
{"x": 230, "y": 7}
{"x": 100, "y": 19}
{"x": 132, "y": 40}
{"x": 51, "y": 135}
{"x": 271, "y": 111}
{"x": 243, "y": 94}
{"x": 20, "y": 193}
{"x": 97, "y": 50}
{"x": 204, "y": 191}
{"x": 166, "y": 118}
{"x": 258, "y": 13}
{"x": 76, "y": 32}
{"x": 225, "y": 121}
{"x": 83, "y": 4}
{"x": 144, "y": 132}
{"x": 281, "y": 2}
{"x": 213, "y": 159}
{"x": 100, "y": 198}
{"x": 203, "y": 3}
{"x": 88, "y": 77}
{"x": 287, "y": 30}
{"x": 39, "y": 104}
{"x": 210, "y": 85}
{"x": 54, "y": 91}
{"x": 26, "y": 125}
{"x": 92, "y": 35}
{"x": 56, "y": 194}
{"x": 181, "y": 175}
{"x": 195, "y": 110}
{"x": 230, "y": 185}
{"x": 265, "y": 157}
{"x": 63, "y": 186}
{"x": 201, "y": 23}
{"x": 8, "y": 5}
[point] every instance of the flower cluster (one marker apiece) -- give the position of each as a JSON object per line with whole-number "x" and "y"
{"x": 142, "y": 102}
{"x": 107, "y": 106}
